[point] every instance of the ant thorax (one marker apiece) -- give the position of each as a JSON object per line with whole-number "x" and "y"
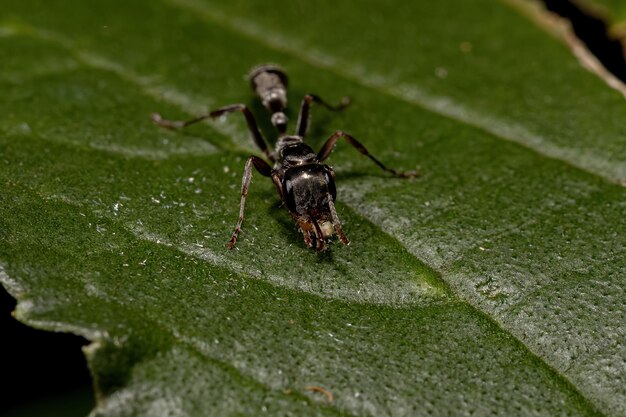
{"x": 292, "y": 151}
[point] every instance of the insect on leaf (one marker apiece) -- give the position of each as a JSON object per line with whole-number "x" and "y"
{"x": 491, "y": 285}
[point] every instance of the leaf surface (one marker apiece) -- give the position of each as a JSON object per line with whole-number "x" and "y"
{"x": 491, "y": 285}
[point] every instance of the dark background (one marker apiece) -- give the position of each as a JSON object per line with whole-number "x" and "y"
{"x": 593, "y": 31}
{"x": 43, "y": 373}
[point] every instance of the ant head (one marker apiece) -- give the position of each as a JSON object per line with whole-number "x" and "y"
{"x": 309, "y": 194}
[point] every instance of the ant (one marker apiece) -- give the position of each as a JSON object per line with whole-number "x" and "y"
{"x": 305, "y": 184}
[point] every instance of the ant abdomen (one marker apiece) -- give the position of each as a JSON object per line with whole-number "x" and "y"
{"x": 270, "y": 83}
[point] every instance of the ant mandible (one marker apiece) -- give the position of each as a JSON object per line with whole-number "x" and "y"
{"x": 306, "y": 186}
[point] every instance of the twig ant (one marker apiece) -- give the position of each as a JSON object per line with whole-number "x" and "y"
{"x": 306, "y": 186}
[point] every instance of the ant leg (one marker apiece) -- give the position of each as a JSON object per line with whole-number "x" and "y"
{"x": 265, "y": 170}
{"x": 330, "y": 144}
{"x": 303, "y": 116}
{"x": 279, "y": 185}
{"x": 252, "y": 126}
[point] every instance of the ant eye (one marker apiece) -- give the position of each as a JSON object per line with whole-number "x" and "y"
{"x": 332, "y": 189}
{"x": 289, "y": 196}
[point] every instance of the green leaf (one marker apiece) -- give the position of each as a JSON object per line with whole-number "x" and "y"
{"x": 491, "y": 285}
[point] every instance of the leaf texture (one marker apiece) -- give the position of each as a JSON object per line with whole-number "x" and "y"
{"x": 492, "y": 285}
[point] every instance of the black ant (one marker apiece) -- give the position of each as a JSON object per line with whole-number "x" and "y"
{"x": 305, "y": 185}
